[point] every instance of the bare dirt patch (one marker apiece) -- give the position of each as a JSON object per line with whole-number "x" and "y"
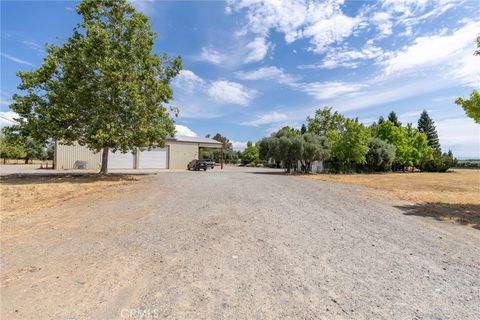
{"x": 24, "y": 194}
{"x": 453, "y": 195}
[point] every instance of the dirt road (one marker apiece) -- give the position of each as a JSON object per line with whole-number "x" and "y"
{"x": 237, "y": 244}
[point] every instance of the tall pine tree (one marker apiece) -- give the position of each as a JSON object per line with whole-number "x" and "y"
{"x": 427, "y": 126}
{"x": 394, "y": 119}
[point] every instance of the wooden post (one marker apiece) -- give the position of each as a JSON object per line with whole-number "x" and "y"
{"x": 221, "y": 159}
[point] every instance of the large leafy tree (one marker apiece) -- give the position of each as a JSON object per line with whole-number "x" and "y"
{"x": 350, "y": 144}
{"x": 472, "y": 106}
{"x": 419, "y": 149}
{"x": 387, "y": 131}
{"x": 411, "y": 145}
{"x": 324, "y": 121}
{"x": 427, "y": 126}
{"x": 104, "y": 87}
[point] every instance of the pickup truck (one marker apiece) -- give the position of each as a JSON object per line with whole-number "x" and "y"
{"x": 210, "y": 163}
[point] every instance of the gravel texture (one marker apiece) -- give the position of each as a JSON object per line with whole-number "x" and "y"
{"x": 238, "y": 244}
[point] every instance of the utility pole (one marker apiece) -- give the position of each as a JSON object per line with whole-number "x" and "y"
{"x": 221, "y": 158}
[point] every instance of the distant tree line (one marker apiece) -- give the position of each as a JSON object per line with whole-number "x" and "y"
{"x": 229, "y": 155}
{"x": 346, "y": 145}
{"x": 14, "y": 146}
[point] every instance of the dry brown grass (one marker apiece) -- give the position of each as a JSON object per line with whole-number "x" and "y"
{"x": 453, "y": 195}
{"x": 27, "y": 194}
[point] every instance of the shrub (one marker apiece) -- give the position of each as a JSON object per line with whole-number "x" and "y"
{"x": 380, "y": 155}
{"x": 439, "y": 163}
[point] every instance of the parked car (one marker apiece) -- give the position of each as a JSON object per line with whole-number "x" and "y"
{"x": 197, "y": 165}
{"x": 210, "y": 163}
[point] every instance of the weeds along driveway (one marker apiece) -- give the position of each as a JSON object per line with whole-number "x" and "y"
{"x": 239, "y": 243}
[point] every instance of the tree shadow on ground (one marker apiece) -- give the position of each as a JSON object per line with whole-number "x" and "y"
{"x": 467, "y": 214}
{"x": 44, "y": 178}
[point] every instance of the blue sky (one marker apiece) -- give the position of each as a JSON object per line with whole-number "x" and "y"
{"x": 252, "y": 67}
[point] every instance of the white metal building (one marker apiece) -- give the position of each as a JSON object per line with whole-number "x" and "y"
{"x": 178, "y": 152}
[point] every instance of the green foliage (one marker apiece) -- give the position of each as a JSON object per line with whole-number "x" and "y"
{"x": 229, "y": 156}
{"x": 303, "y": 129}
{"x": 411, "y": 145}
{"x": 314, "y": 148}
{"x": 392, "y": 117}
{"x": 440, "y": 162}
{"x": 350, "y": 144}
{"x": 11, "y": 147}
{"x": 104, "y": 87}
{"x": 427, "y": 126}
{"x": 471, "y": 106}
{"x": 380, "y": 155}
{"x": 325, "y": 121}
{"x": 394, "y": 135}
{"x": 419, "y": 150}
{"x": 251, "y": 154}
{"x": 34, "y": 150}
{"x": 288, "y": 146}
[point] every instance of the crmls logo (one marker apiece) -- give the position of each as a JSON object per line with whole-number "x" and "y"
{"x": 140, "y": 313}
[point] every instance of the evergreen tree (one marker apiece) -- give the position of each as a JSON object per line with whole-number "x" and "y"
{"x": 427, "y": 126}
{"x": 303, "y": 130}
{"x": 394, "y": 119}
{"x": 380, "y": 120}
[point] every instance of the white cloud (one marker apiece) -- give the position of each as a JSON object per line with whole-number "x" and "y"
{"x": 434, "y": 50}
{"x": 383, "y": 21}
{"x": 188, "y": 81}
{"x": 258, "y": 49}
{"x": 7, "y": 118}
{"x": 230, "y": 92}
{"x": 347, "y": 58}
{"x": 211, "y": 55}
{"x": 17, "y": 60}
{"x": 328, "y": 31}
{"x": 239, "y": 145}
{"x": 267, "y": 73}
{"x": 184, "y": 131}
{"x": 268, "y": 118}
{"x": 323, "y": 23}
{"x": 202, "y": 98}
{"x": 330, "y": 90}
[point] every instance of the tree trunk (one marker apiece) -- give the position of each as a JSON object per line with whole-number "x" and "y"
{"x": 26, "y": 160}
{"x": 104, "y": 168}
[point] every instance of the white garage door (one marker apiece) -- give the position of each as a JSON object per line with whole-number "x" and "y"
{"x": 155, "y": 158}
{"x": 118, "y": 160}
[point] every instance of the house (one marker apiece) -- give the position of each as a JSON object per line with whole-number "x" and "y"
{"x": 178, "y": 152}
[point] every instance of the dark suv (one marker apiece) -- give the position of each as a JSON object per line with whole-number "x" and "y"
{"x": 197, "y": 165}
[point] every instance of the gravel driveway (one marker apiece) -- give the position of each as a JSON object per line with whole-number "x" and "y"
{"x": 238, "y": 244}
